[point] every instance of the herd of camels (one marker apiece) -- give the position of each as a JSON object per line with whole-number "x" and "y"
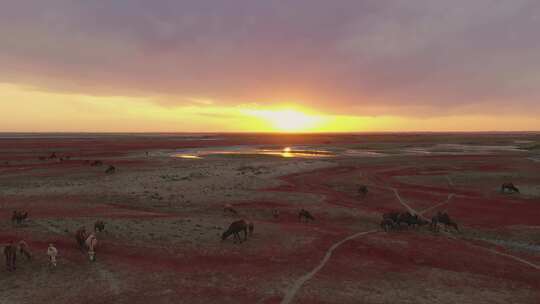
{"x": 88, "y": 242}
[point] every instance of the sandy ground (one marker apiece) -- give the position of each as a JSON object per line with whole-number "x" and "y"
{"x": 164, "y": 217}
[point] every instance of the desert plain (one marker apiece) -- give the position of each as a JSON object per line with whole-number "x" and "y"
{"x": 164, "y": 213}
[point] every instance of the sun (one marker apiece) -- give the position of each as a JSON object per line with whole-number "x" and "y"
{"x": 288, "y": 120}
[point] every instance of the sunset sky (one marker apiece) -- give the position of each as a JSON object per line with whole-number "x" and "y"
{"x": 268, "y": 65}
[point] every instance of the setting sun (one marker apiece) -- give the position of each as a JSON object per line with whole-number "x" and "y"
{"x": 289, "y": 120}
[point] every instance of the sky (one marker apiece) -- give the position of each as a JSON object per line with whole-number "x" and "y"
{"x": 269, "y": 65}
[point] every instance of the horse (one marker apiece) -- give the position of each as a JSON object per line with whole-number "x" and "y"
{"x": 110, "y": 170}
{"x": 96, "y": 163}
{"x": 392, "y": 215}
{"x": 24, "y": 249}
{"x": 91, "y": 244}
{"x": 235, "y": 228}
{"x": 304, "y": 214}
{"x": 509, "y": 188}
{"x": 363, "y": 190}
{"x": 19, "y": 217}
{"x": 387, "y": 224}
{"x": 411, "y": 220}
{"x": 81, "y": 236}
{"x": 443, "y": 218}
{"x": 52, "y": 252}
{"x": 99, "y": 226}
{"x": 10, "y": 252}
{"x": 229, "y": 208}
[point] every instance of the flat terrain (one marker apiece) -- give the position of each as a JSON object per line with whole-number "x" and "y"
{"x": 164, "y": 218}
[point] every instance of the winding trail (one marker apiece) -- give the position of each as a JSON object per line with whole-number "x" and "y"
{"x": 291, "y": 292}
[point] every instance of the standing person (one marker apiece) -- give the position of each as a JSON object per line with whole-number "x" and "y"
{"x": 52, "y": 252}
{"x": 10, "y": 251}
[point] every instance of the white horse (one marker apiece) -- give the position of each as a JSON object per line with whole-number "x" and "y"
{"x": 52, "y": 252}
{"x": 91, "y": 244}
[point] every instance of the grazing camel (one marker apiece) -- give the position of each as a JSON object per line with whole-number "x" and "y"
{"x": 91, "y": 244}
{"x": 363, "y": 190}
{"x": 52, "y": 252}
{"x": 81, "y": 237}
{"x": 99, "y": 226}
{"x": 275, "y": 213}
{"x": 110, "y": 170}
{"x": 509, "y": 188}
{"x": 53, "y": 156}
{"x": 304, "y": 214}
{"x": 24, "y": 250}
{"x": 235, "y": 228}
{"x": 443, "y": 218}
{"x": 229, "y": 208}
{"x": 10, "y": 252}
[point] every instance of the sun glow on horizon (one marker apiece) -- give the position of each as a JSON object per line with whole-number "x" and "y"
{"x": 26, "y": 109}
{"x": 288, "y": 120}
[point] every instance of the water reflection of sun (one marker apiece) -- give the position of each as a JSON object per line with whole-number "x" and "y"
{"x": 287, "y": 152}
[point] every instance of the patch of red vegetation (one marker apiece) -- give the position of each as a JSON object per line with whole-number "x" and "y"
{"x": 409, "y": 252}
{"x": 494, "y": 212}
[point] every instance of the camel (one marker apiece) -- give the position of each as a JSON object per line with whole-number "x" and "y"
{"x": 99, "y": 226}
{"x": 10, "y": 252}
{"x": 81, "y": 236}
{"x": 19, "y": 217}
{"x": 52, "y": 252}
{"x": 443, "y": 218}
{"x": 229, "y": 208}
{"x": 24, "y": 250}
{"x": 91, "y": 244}
{"x": 275, "y": 213}
{"x": 53, "y": 156}
{"x": 363, "y": 190}
{"x": 304, "y": 214}
{"x": 110, "y": 170}
{"x": 509, "y": 188}
{"x": 235, "y": 228}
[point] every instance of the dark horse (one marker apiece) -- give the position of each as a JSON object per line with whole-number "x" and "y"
{"x": 99, "y": 226}
{"x": 304, "y": 214}
{"x": 363, "y": 190}
{"x": 411, "y": 220}
{"x": 444, "y": 218}
{"x": 81, "y": 236}
{"x": 19, "y": 217}
{"x": 388, "y": 224}
{"x": 10, "y": 252}
{"x": 110, "y": 170}
{"x": 236, "y": 227}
